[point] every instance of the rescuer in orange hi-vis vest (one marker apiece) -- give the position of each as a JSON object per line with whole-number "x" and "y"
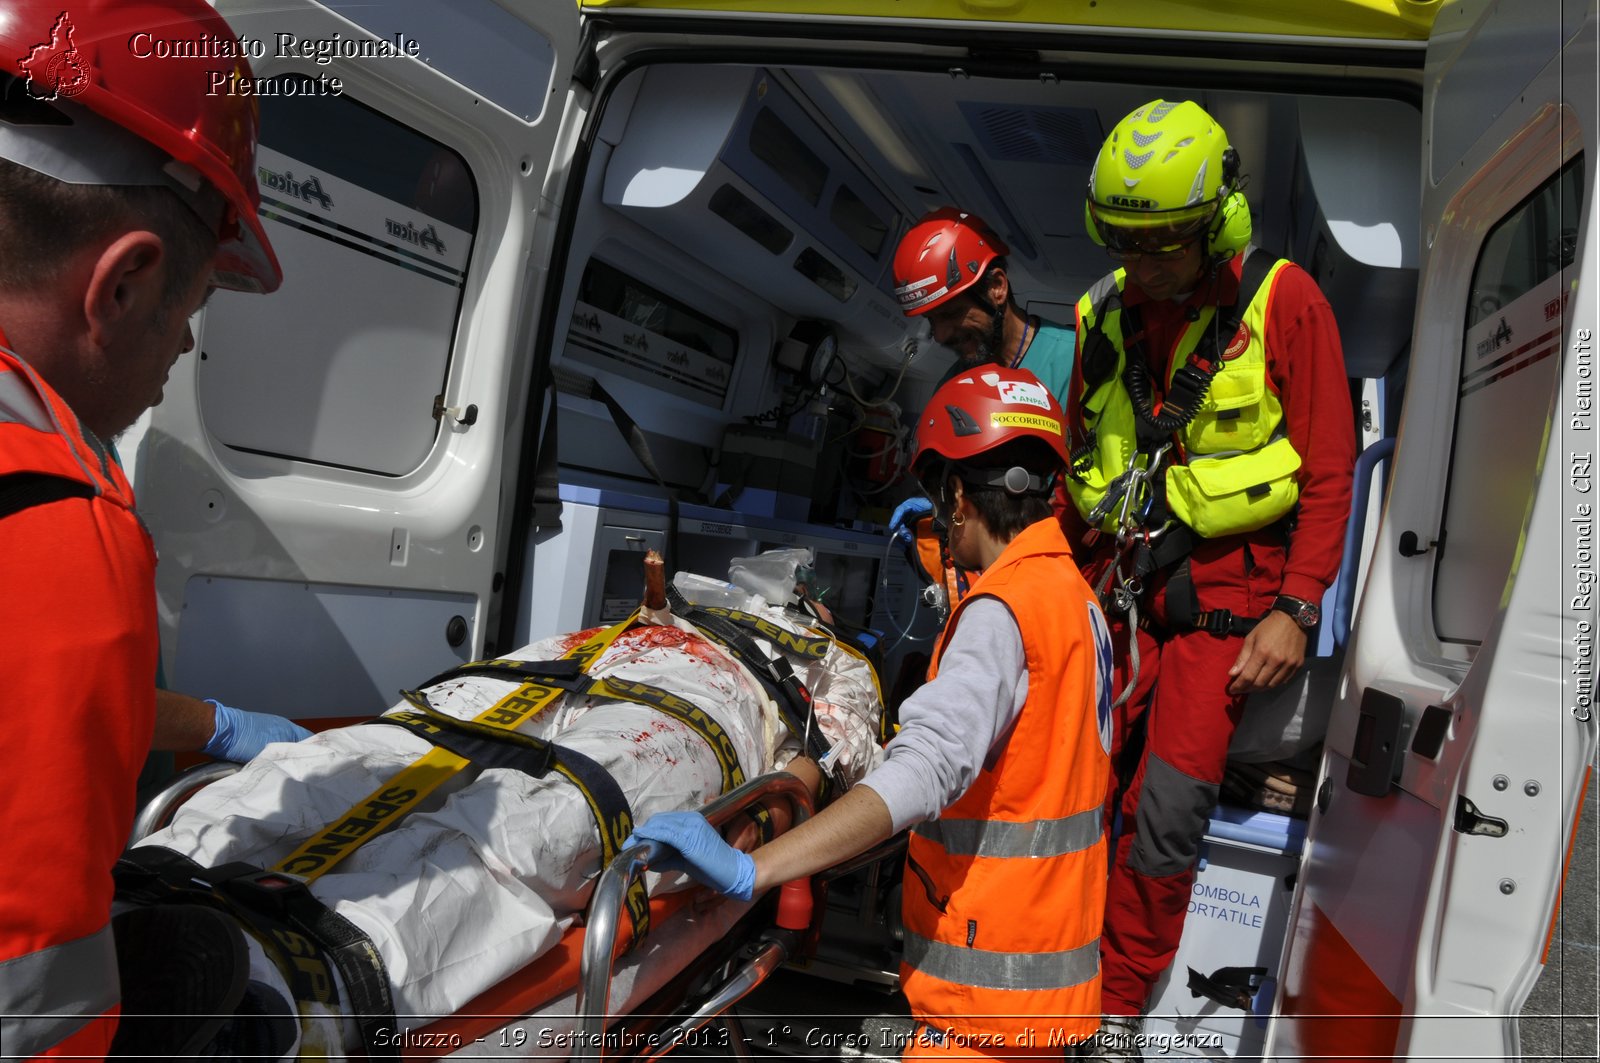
{"x": 1001, "y": 761}
{"x": 126, "y": 195}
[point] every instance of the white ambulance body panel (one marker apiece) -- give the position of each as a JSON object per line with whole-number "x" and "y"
{"x": 1464, "y": 721}
{"x": 398, "y": 462}
{"x": 297, "y": 472}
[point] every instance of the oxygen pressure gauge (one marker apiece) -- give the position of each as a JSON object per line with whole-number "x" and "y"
{"x": 820, "y": 354}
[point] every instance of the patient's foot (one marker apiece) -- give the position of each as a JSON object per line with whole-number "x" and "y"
{"x": 264, "y": 1027}
{"x": 183, "y": 969}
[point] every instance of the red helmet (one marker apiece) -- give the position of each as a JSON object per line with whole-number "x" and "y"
{"x": 119, "y": 60}
{"x": 985, "y": 407}
{"x": 944, "y": 254}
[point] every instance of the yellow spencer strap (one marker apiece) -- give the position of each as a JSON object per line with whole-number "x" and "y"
{"x": 816, "y": 647}
{"x": 388, "y": 804}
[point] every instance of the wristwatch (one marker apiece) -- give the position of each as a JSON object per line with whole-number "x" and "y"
{"x": 1302, "y": 612}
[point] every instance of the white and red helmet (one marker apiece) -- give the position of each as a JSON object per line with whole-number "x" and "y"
{"x": 985, "y": 408}
{"x": 943, "y": 254}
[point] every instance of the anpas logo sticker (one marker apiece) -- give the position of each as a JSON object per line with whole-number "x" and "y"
{"x": 1019, "y": 392}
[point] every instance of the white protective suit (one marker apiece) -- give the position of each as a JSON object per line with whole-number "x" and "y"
{"x": 491, "y": 870}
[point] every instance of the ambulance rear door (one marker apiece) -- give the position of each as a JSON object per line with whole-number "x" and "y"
{"x": 1462, "y": 736}
{"x": 324, "y": 477}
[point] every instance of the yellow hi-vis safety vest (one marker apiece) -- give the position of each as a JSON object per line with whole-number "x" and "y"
{"x": 1237, "y": 470}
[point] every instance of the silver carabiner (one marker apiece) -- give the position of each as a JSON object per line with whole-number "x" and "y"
{"x": 1138, "y": 479}
{"x": 1155, "y": 459}
{"x": 1114, "y": 493}
{"x": 1152, "y": 536}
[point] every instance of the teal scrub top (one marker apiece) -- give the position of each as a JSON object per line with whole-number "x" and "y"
{"x": 1049, "y": 357}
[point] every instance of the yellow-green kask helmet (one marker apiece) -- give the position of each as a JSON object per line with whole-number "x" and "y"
{"x": 1168, "y": 167}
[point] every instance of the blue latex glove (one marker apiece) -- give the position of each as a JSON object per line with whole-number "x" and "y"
{"x": 906, "y": 515}
{"x": 240, "y": 735}
{"x": 702, "y": 853}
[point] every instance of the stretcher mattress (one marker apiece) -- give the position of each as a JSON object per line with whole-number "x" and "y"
{"x": 492, "y": 869}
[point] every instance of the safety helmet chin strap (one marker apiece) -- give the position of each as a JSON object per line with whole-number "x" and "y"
{"x": 997, "y": 332}
{"x": 939, "y": 495}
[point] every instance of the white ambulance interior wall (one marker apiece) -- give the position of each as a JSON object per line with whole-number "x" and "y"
{"x": 692, "y": 257}
{"x": 642, "y": 213}
{"x": 674, "y": 135}
{"x": 1353, "y": 225}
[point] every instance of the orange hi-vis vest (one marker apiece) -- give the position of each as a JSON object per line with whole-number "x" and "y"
{"x": 77, "y": 605}
{"x": 1005, "y": 891}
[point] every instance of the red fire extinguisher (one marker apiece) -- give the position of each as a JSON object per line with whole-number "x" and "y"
{"x": 878, "y": 442}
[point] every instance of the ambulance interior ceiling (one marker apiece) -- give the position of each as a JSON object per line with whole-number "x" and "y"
{"x": 1333, "y": 182}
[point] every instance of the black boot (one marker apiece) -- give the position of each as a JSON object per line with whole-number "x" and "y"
{"x": 264, "y": 1027}
{"x": 1119, "y": 1039}
{"x": 183, "y": 970}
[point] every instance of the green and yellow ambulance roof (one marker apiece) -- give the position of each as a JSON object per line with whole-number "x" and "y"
{"x": 1393, "y": 20}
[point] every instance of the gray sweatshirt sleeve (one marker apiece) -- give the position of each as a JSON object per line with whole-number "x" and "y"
{"x": 951, "y": 726}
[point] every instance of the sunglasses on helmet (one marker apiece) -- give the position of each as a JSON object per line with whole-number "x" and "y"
{"x": 1130, "y": 245}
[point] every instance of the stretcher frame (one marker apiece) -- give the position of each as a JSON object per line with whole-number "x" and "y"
{"x": 588, "y": 952}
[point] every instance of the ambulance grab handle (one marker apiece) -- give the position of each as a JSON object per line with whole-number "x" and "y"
{"x": 1355, "y": 526}
{"x": 605, "y": 909}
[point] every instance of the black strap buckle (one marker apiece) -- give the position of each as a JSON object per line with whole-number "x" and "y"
{"x": 482, "y": 744}
{"x": 1223, "y": 622}
{"x": 270, "y": 891}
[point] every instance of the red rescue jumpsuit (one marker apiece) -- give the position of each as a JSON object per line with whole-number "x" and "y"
{"x": 1183, "y": 680}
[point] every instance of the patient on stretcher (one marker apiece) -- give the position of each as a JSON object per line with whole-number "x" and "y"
{"x": 461, "y": 873}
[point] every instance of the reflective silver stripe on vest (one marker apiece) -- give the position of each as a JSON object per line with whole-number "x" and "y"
{"x": 1003, "y": 970}
{"x": 24, "y": 404}
{"x": 1102, "y": 287}
{"x": 101, "y": 451}
{"x": 1001, "y": 838}
{"x": 49, "y": 995}
{"x": 20, "y": 404}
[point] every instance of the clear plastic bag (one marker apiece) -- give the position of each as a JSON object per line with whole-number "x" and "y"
{"x": 703, "y": 590}
{"x": 771, "y": 574}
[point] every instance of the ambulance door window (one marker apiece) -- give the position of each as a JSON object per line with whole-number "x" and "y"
{"x": 374, "y": 224}
{"x": 1510, "y": 362}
